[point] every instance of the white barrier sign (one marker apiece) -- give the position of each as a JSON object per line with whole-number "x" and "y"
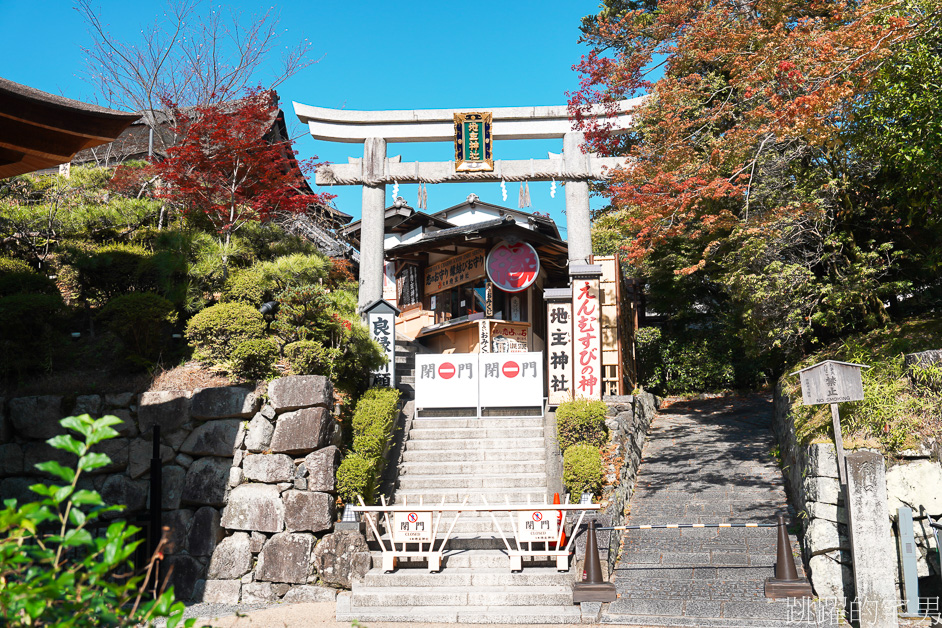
{"x": 446, "y": 381}
{"x": 537, "y": 526}
{"x": 511, "y": 380}
{"x": 412, "y": 527}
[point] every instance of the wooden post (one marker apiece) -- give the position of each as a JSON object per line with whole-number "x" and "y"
{"x": 838, "y": 444}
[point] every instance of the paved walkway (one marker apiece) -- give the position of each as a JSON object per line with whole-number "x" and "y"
{"x": 705, "y": 461}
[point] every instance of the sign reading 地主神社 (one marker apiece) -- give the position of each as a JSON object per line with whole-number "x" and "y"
{"x": 473, "y": 142}
{"x": 587, "y": 366}
{"x": 559, "y": 351}
{"x": 513, "y": 267}
{"x": 381, "y": 321}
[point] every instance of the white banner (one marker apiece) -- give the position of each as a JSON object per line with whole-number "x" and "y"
{"x": 511, "y": 380}
{"x": 446, "y": 381}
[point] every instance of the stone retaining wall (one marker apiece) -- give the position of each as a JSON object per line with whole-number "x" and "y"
{"x": 247, "y": 486}
{"x": 814, "y": 489}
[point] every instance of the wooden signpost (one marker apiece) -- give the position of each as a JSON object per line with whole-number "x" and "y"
{"x": 832, "y": 382}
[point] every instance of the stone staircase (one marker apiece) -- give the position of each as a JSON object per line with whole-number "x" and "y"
{"x": 495, "y": 459}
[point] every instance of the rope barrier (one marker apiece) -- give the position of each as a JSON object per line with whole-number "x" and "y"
{"x": 672, "y": 526}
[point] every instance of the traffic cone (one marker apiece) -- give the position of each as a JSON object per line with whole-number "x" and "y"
{"x": 785, "y": 583}
{"x": 559, "y": 524}
{"x": 592, "y": 588}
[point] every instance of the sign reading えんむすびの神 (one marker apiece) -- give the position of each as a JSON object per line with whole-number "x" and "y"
{"x": 412, "y": 527}
{"x": 587, "y": 368}
{"x": 536, "y": 526}
{"x": 831, "y": 382}
{"x": 462, "y": 268}
{"x": 473, "y": 142}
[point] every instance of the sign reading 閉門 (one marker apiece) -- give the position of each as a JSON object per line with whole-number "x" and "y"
{"x": 459, "y": 269}
{"x": 537, "y": 526}
{"x": 513, "y": 267}
{"x": 473, "y": 142}
{"x": 412, "y": 527}
{"x": 559, "y": 352}
{"x": 446, "y": 381}
{"x": 381, "y": 321}
{"x": 587, "y": 367}
{"x": 511, "y": 379}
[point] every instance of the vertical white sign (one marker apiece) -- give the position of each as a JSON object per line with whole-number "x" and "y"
{"x": 511, "y": 380}
{"x": 383, "y": 331}
{"x": 587, "y": 367}
{"x": 559, "y": 352}
{"x": 484, "y": 336}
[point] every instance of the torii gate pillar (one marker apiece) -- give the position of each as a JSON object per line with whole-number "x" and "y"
{"x": 578, "y": 218}
{"x": 373, "y": 226}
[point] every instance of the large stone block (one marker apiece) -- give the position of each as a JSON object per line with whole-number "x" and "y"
{"x": 822, "y": 460}
{"x": 213, "y": 438}
{"x": 176, "y": 527}
{"x": 206, "y": 482}
{"x": 11, "y": 460}
{"x": 18, "y": 489}
{"x": 185, "y": 571}
{"x": 342, "y": 557}
{"x": 307, "y": 593}
{"x": 169, "y": 409}
{"x": 117, "y": 450}
{"x": 827, "y": 490}
{"x": 255, "y": 507}
{"x": 322, "y": 469}
{"x": 222, "y": 592}
{"x": 269, "y": 468}
{"x": 140, "y": 454}
{"x": 257, "y": 593}
{"x": 37, "y": 417}
{"x": 830, "y": 578}
{"x": 128, "y": 425}
{"x": 232, "y": 558}
{"x": 259, "y": 433}
{"x": 308, "y": 512}
{"x": 915, "y": 485}
{"x": 120, "y": 489}
{"x": 205, "y": 532}
{"x": 300, "y": 391}
{"x": 120, "y": 400}
{"x": 87, "y": 404}
{"x": 223, "y": 402}
{"x": 37, "y": 452}
{"x": 171, "y": 487}
{"x": 822, "y": 537}
{"x": 286, "y": 557}
{"x": 302, "y": 431}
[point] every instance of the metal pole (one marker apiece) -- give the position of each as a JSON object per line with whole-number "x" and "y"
{"x": 156, "y": 487}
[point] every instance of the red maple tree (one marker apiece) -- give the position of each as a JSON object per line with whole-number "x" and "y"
{"x": 228, "y": 166}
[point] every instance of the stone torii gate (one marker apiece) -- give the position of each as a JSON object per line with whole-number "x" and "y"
{"x": 374, "y": 129}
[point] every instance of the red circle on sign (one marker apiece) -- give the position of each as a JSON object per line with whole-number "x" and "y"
{"x": 510, "y": 369}
{"x": 537, "y": 516}
{"x": 513, "y": 267}
{"x": 446, "y": 370}
{"x": 413, "y": 517}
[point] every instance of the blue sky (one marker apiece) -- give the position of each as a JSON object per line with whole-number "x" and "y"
{"x": 372, "y": 55}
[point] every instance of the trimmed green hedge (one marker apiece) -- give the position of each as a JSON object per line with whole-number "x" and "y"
{"x": 373, "y": 422}
{"x": 245, "y": 286}
{"x": 254, "y": 359}
{"x": 309, "y": 357}
{"x": 218, "y": 330}
{"x": 582, "y": 470}
{"x": 580, "y": 421}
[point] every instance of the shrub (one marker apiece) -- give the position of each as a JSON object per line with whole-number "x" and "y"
{"x": 311, "y": 358}
{"x": 297, "y": 269}
{"x": 254, "y": 359}
{"x": 10, "y": 265}
{"x": 245, "y": 286}
{"x": 141, "y": 321}
{"x": 26, "y": 283}
{"x": 218, "y": 330}
{"x": 69, "y": 578}
{"x": 30, "y": 331}
{"x": 107, "y": 271}
{"x": 674, "y": 362}
{"x": 580, "y": 421}
{"x": 582, "y": 469}
{"x": 355, "y": 476}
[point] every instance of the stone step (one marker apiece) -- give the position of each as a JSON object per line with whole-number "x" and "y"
{"x": 560, "y": 614}
{"x": 551, "y": 595}
{"x": 475, "y": 433}
{"x": 688, "y": 575}
{"x": 454, "y": 444}
{"x": 407, "y": 379}
{"x": 471, "y": 468}
{"x": 651, "y": 621}
{"x": 466, "y": 577}
{"x": 474, "y": 455}
{"x": 767, "y": 610}
{"x": 449, "y": 424}
{"x": 495, "y": 481}
{"x": 516, "y": 495}
{"x": 473, "y": 552}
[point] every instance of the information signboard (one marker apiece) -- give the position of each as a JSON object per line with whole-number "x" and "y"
{"x": 412, "y": 527}
{"x": 455, "y": 271}
{"x": 537, "y": 526}
{"x": 446, "y": 381}
{"x": 511, "y": 380}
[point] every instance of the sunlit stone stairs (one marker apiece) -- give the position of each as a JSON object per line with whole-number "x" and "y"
{"x": 494, "y": 459}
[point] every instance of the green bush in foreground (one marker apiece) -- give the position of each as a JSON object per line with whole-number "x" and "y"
{"x": 355, "y": 476}
{"x": 218, "y": 330}
{"x": 308, "y": 357}
{"x": 582, "y": 470}
{"x": 52, "y": 572}
{"x": 580, "y": 421}
{"x": 254, "y": 359}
